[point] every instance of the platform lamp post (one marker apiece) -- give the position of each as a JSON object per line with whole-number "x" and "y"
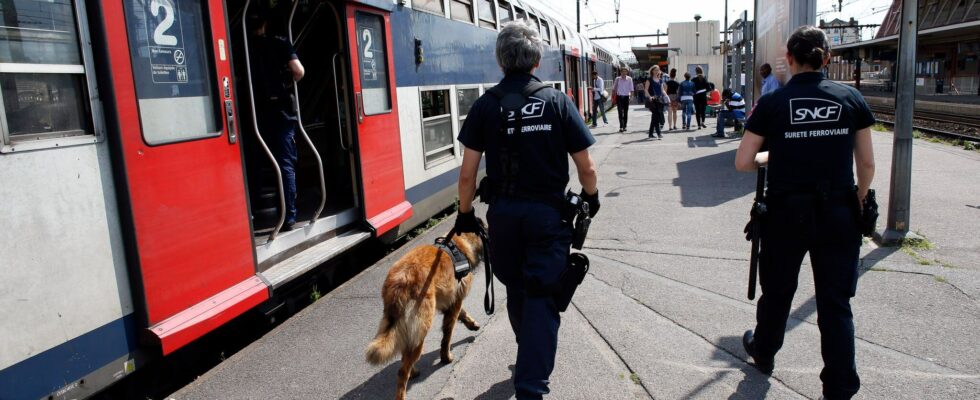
{"x": 900, "y": 193}
{"x": 697, "y": 35}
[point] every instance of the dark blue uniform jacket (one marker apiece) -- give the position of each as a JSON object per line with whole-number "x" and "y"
{"x": 552, "y": 129}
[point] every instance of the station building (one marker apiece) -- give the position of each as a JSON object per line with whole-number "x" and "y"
{"x": 946, "y": 55}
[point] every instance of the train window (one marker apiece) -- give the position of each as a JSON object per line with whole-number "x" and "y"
{"x": 487, "y": 19}
{"x": 557, "y": 37}
{"x": 170, "y": 48}
{"x": 432, "y": 6}
{"x": 545, "y": 32}
{"x": 437, "y": 126}
{"x": 461, "y": 10}
{"x": 521, "y": 14}
{"x": 505, "y": 12}
{"x": 465, "y": 97}
{"x": 43, "y": 87}
{"x": 372, "y": 58}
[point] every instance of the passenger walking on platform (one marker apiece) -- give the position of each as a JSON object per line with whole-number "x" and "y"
{"x": 685, "y": 92}
{"x": 672, "y": 86}
{"x": 623, "y": 89}
{"x": 658, "y": 98}
{"x": 598, "y": 99}
{"x": 817, "y": 131}
{"x": 275, "y": 69}
{"x": 769, "y": 81}
{"x": 734, "y": 109}
{"x": 527, "y": 171}
{"x": 700, "y": 96}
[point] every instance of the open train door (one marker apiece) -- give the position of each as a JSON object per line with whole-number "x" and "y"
{"x": 192, "y": 261}
{"x": 376, "y": 109}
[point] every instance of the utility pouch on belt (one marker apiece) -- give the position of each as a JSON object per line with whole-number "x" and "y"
{"x": 574, "y": 274}
{"x": 869, "y": 215}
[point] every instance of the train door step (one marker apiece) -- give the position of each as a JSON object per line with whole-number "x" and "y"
{"x": 310, "y": 258}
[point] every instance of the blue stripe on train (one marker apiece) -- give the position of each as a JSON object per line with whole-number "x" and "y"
{"x": 68, "y": 362}
{"x": 456, "y": 53}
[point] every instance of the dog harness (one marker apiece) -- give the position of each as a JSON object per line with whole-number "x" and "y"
{"x": 461, "y": 265}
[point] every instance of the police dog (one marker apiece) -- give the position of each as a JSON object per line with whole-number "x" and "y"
{"x": 418, "y": 285}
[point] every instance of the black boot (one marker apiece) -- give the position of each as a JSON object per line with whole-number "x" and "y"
{"x": 764, "y": 365}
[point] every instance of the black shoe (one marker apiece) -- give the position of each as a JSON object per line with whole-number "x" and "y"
{"x": 718, "y": 136}
{"x": 649, "y": 135}
{"x": 660, "y": 136}
{"x": 764, "y": 365}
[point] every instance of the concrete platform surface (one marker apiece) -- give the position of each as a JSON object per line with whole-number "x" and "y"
{"x": 663, "y": 309}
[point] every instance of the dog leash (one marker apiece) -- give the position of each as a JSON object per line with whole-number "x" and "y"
{"x": 489, "y": 296}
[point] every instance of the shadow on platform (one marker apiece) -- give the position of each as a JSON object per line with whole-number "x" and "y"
{"x": 712, "y": 180}
{"x": 382, "y": 384}
{"x": 754, "y": 385}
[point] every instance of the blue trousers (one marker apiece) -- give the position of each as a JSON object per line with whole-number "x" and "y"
{"x": 688, "y": 108}
{"x": 827, "y": 230}
{"x": 598, "y": 106}
{"x": 724, "y": 115}
{"x": 529, "y": 243}
{"x": 279, "y": 133}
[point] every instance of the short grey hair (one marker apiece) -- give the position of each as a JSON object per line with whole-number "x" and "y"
{"x": 518, "y": 47}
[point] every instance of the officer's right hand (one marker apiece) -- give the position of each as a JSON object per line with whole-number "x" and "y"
{"x": 592, "y": 200}
{"x": 466, "y": 222}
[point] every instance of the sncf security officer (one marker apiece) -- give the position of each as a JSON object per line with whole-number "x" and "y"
{"x": 527, "y": 130}
{"x": 275, "y": 69}
{"x": 816, "y": 131}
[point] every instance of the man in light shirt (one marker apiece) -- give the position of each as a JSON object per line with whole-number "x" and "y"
{"x": 769, "y": 81}
{"x": 598, "y": 101}
{"x": 623, "y": 89}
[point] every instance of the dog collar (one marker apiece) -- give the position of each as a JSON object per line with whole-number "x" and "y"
{"x": 461, "y": 265}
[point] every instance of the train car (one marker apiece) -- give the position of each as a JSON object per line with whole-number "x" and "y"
{"x": 142, "y": 206}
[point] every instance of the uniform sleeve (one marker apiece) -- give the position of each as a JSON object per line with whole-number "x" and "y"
{"x": 863, "y": 117}
{"x": 471, "y": 134}
{"x": 577, "y": 135}
{"x": 757, "y": 122}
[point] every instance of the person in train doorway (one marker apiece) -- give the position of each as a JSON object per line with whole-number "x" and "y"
{"x": 817, "y": 131}
{"x": 701, "y": 89}
{"x": 623, "y": 89}
{"x": 598, "y": 99}
{"x": 527, "y": 131}
{"x": 275, "y": 69}
{"x": 734, "y": 108}
{"x": 769, "y": 81}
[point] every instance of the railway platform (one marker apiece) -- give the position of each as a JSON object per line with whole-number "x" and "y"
{"x": 661, "y": 313}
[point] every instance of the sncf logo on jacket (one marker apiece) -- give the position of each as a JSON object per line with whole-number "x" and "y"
{"x": 812, "y": 110}
{"x": 534, "y": 108}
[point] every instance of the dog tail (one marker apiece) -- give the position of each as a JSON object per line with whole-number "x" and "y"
{"x": 382, "y": 348}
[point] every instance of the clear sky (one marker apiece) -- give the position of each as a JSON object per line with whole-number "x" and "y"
{"x": 646, "y": 16}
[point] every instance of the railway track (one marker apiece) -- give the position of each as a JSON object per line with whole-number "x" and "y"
{"x": 951, "y": 126}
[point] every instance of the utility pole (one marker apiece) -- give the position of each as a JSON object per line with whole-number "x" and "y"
{"x": 578, "y": 16}
{"x": 900, "y": 193}
{"x": 724, "y": 51}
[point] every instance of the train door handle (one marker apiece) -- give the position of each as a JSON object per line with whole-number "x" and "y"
{"x": 359, "y": 104}
{"x": 230, "y": 115}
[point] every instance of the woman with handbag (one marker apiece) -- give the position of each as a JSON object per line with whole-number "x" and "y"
{"x": 658, "y": 98}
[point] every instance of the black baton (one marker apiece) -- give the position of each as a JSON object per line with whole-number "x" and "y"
{"x": 755, "y": 228}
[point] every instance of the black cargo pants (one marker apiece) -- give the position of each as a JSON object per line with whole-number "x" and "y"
{"x": 826, "y": 227}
